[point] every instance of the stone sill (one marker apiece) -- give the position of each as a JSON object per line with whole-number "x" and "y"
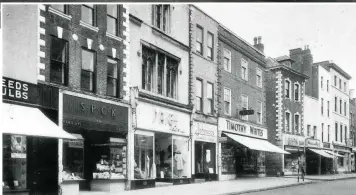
{"x": 93, "y": 28}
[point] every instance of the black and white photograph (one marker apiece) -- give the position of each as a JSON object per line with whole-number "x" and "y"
{"x": 178, "y": 98}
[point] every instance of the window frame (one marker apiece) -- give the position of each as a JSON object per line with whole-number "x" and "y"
{"x": 322, "y": 132}
{"x": 340, "y": 106}
{"x": 117, "y": 79}
{"x": 93, "y": 11}
{"x": 243, "y": 98}
{"x": 162, "y": 27}
{"x": 287, "y": 90}
{"x": 335, "y": 81}
{"x": 328, "y": 107}
{"x": 260, "y": 118}
{"x": 229, "y": 111}
{"x": 229, "y": 58}
{"x": 322, "y": 106}
{"x": 340, "y": 86}
{"x": 259, "y": 74}
{"x": 328, "y": 133}
{"x": 296, "y": 129}
{"x": 65, "y": 65}
{"x": 210, "y": 47}
{"x": 93, "y": 72}
{"x": 210, "y": 100}
{"x": 201, "y": 44}
{"x": 327, "y": 85}
{"x": 298, "y": 91}
{"x": 244, "y": 64}
{"x": 335, "y": 105}
{"x": 336, "y": 131}
{"x": 201, "y": 94}
{"x": 65, "y": 8}
{"x": 116, "y": 19}
{"x": 345, "y": 87}
{"x": 288, "y": 124}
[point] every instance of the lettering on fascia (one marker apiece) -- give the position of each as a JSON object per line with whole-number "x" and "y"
{"x": 102, "y": 110}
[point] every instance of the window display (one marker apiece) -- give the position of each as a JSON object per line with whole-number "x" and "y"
{"x": 14, "y": 162}
{"x": 180, "y": 157}
{"x": 205, "y": 157}
{"x": 118, "y": 159}
{"x": 228, "y": 158}
{"x": 144, "y": 166}
{"x": 291, "y": 162}
{"x": 73, "y": 158}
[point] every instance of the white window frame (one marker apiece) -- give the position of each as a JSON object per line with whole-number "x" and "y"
{"x": 290, "y": 121}
{"x": 244, "y": 117}
{"x": 259, "y": 73}
{"x": 296, "y": 83}
{"x": 229, "y": 90}
{"x": 226, "y": 51}
{"x": 260, "y": 119}
{"x": 299, "y": 127}
{"x": 244, "y": 64}
{"x": 285, "y": 89}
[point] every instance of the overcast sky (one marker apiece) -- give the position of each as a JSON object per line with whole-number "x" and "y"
{"x": 328, "y": 29}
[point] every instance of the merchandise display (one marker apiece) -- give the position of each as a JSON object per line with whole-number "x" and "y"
{"x": 73, "y": 159}
{"x": 144, "y": 165}
{"x": 228, "y": 158}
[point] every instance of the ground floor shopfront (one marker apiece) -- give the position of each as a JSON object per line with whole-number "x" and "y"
{"x": 204, "y": 161}
{"x": 242, "y": 149}
{"x": 342, "y": 158}
{"x": 295, "y": 145}
{"x": 161, "y": 152}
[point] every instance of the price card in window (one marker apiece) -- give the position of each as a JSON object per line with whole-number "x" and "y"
{"x": 211, "y": 170}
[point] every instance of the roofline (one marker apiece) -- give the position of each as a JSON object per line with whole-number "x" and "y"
{"x": 338, "y": 69}
{"x": 244, "y": 41}
{"x": 289, "y": 69}
{"x": 196, "y": 7}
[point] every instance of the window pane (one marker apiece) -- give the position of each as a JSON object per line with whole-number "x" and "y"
{"x": 87, "y": 60}
{"x": 143, "y": 155}
{"x": 111, "y": 25}
{"x": 160, "y": 70}
{"x": 57, "y": 72}
{"x": 58, "y": 49}
{"x": 111, "y": 86}
{"x": 226, "y": 64}
{"x": 59, "y": 7}
{"x": 199, "y": 34}
{"x": 210, "y": 106}
{"x": 87, "y": 80}
{"x": 209, "y": 91}
{"x": 87, "y": 15}
{"x": 181, "y": 158}
{"x": 165, "y": 17}
{"x": 210, "y": 40}
{"x": 112, "y": 10}
{"x": 198, "y": 102}
{"x": 158, "y": 15}
{"x": 112, "y": 68}
{"x": 199, "y": 88}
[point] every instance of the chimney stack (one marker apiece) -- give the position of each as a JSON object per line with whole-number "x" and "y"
{"x": 258, "y": 44}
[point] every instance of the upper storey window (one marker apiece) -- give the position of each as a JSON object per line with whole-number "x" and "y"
{"x": 162, "y": 17}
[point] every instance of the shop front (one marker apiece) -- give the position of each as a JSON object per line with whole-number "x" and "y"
{"x": 342, "y": 155}
{"x": 318, "y": 160}
{"x": 243, "y": 149}
{"x": 97, "y": 159}
{"x": 30, "y": 141}
{"x": 162, "y": 151}
{"x": 204, "y": 151}
{"x": 293, "y": 144}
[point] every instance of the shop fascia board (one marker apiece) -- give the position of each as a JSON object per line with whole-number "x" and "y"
{"x": 165, "y": 105}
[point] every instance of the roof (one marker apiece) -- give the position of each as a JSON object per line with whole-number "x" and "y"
{"x": 328, "y": 64}
{"x": 276, "y": 65}
{"x": 283, "y": 58}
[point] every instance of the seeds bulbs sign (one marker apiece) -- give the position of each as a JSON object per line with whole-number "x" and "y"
{"x": 16, "y": 90}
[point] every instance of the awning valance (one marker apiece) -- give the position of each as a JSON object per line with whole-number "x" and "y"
{"x": 321, "y": 152}
{"x": 256, "y": 144}
{"x": 334, "y": 154}
{"x": 28, "y": 121}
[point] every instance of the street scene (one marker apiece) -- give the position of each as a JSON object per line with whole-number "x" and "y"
{"x": 178, "y": 99}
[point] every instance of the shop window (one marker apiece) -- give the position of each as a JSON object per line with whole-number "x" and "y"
{"x": 59, "y": 61}
{"x": 199, "y": 95}
{"x": 112, "y": 19}
{"x": 244, "y": 100}
{"x": 162, "y": 17}
{"x": 291, "y": 162}
{"x": 259, "y": 77}
{"x": 340, "y": 161}
{"x": 227, "y": 101}
{"x": 166, "y": 76}
{"x": 210, "y": 97}
{"x": 143, "y": 155}
{"x": 112, "y": 77}
{"x": 180, "y": 158}
{"x": 205, "y": 158}
{"x": 244, "y": 69}
{"x": 60, "y": 7}
{"x": 227, "y": 60}
{"x": 210, "y": 51}
{"x": 287, "y": 89}
{"x": 228, "y": 161}
{"x": 73, "y": 159}
{"x": 14, "y": 162}
{"x": 200, "y": 38}
{"x": 88, "y": 14}
{"x": 87, "y": 75}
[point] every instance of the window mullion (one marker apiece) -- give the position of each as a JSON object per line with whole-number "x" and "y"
{"x": 155, "y": 74}
{"x": 164, "y": 75}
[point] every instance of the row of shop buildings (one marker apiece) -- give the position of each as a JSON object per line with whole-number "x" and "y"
{"x": 123, "y": 97}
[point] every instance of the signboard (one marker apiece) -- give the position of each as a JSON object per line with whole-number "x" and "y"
{"x": 94, "y": 115}
{"x": 242, "y": 128}
{"x": 246, "y": 112}
{"x": 157, "y": 118}
{"x": 313, "y": 143}
{"x": 326, "y": 145}
{"x": 294, "y": 140}
{"x": 205, "y": 132}
{"x": 341, "y": 148}
{"x": 20, "y": 91}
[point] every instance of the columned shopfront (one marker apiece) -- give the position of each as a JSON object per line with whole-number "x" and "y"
{"x": 242, "y": 149}
{"x": 30, "y": 141}
{"x": 161, "y": 151}
{"x": 204, "y": 149}
{"x": 97, "y": 160}
{"x": 342, "y": 158}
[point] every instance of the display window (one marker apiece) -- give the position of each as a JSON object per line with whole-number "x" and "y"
{"x": 144, "y": 166}
{"x": 291, "y": 162}
{"x": 73, "y": 158}
{"x": 205, "y": 157}
{"x": 228, "y": 160}
{"x": 180, "y": 157}
{"x": 14, "y": 162}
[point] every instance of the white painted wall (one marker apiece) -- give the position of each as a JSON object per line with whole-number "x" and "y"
{"x": 327, "y": 96}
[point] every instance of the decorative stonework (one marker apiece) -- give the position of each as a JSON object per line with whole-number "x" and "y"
{"x": 279, "y": 107}
{"x": 126, "y": 52}
{"x": 41, "y": 43}
{"x": 191, "y": 63}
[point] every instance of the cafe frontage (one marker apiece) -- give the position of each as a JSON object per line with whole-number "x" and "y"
{"x": 242, "y": 149}
{"x": 97, "y": 160}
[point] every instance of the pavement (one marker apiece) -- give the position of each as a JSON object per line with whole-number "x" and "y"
{"x": 232, "y": 187}
{"x": 330, "y": 177}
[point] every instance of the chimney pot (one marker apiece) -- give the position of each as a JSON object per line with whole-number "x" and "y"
{"x": 259, "y": 40}
{"x": 255, "y": 40}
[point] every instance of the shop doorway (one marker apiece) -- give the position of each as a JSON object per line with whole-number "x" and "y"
{"x": 205, "y": 159}
{"x": 312, "y": 163}
{"x": 43, "y": 165}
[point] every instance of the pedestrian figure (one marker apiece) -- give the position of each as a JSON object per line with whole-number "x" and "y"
{"x": 303, "y": 171}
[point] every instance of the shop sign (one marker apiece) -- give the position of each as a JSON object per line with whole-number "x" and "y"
{"x": 326, "y": 145}
{"x": 342, "y": 148}
{"x": 241, "y": 128}
{"x": 156, "y": 118}
{"x": 21, "y": 91}
{"x": 205, "y": 132}
{"x": 313, "y": 143}
{"x": 94, "y": 115}
{"x": 293, "y": 140}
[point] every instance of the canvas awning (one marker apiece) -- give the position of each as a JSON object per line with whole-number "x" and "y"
{"x": 334, "y": 154}
{"x": 29, "y": 121}
{"x": 321, "y": 153}
{"x": 256, "y": 144}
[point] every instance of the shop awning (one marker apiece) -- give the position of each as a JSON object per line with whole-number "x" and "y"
{"x": 334, "y": 154}
{"x": 256, "y": 144}
{"x": 22, "y": 120}
{"x": 321, "y": 153}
